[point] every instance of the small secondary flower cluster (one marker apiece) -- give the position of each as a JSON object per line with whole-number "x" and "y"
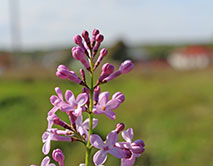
{"x": 92, "y": 102}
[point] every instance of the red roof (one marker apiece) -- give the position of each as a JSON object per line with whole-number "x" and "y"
{"x": 195, "y": 50}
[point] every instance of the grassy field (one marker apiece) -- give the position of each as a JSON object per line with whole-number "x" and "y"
{"x": 171, "y": 111}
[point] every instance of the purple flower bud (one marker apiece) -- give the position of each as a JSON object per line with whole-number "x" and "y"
{"x": 119, "y": 127}
{"x": 126, "y": 66}
{"x": 58, "y": 156}
{"x": 64, "y": 73}
{"x": 139, "y": 142}
{"x": 107, "y": 69}
{"x": 58, "y": 121}
{"x": 82, "y": 75}
{"x": 78, "y": 54}
{"x": 112, "y": 76}
{"x": 103, "y": 53}
{"x": 77, "y": 39}
{"x": 137, "y": 149}
{"x": 119, "y": 96}
{"x": 85, "y": 90}
{"x": 95, "y": 32}
{"x": 85, "y": 35}
{"x": 99, "y": 38}
{"x": 128, "y": 153}
{"x": 97, "y": 91}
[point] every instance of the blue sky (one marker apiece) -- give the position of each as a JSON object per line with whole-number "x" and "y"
{"x": 46, "y": 23}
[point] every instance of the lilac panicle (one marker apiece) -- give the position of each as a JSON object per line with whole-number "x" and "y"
{"x": 78, "y": 54}
{"x": 103, "y": 53}
{"x": 58, "y": 156}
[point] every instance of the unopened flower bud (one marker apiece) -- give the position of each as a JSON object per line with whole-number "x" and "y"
{"x": 83, "y": 75}
{"x": 103, "y": 53}
{"x": 119, "y": 96}
{"x": 58, "y": 121}
{"x": 99, "y": 38}
{"x": 112, "y": 76}
{"x": 58, "y": 156}
{"x": 107, "y": 69}
{"x": 85, "y": 35}
{"x": 128, "y": 153}
{"x": 97, "y": 91}
{"x": 126, "y": 66}
{"x": 78, "y": 54}
{"x": 77, "y": 39}
{"x": 119, "y": 127}
{"x": 95, "y": 32}
{"x": 64, "y": 73}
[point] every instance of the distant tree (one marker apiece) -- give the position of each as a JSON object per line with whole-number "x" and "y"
{"x": 119, "y": 52}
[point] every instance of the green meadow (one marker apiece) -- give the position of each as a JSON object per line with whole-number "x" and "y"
{"x": 171, "y": 111}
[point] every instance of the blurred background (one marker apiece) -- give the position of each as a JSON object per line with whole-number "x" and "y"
{"x": 169, "y": 94}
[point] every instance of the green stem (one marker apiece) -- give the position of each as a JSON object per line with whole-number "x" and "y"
{"x": 88, "y": 147}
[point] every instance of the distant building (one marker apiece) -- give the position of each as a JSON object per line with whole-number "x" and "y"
{"x": 5, "y": 61}
{"x": 191, "y": 57}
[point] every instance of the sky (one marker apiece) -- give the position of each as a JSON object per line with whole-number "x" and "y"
{"x": 46, "y": 23}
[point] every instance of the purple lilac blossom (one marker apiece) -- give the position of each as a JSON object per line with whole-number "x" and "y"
{"x": 133, "y": 149}
{"x": 101, "y": 155}
{"x": 58, "y": 156}
{"x": 83, "y": 127}
{"x": 105, "y": 105}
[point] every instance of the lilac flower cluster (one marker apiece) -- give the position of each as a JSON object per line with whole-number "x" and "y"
{"x": 91, "y": 102}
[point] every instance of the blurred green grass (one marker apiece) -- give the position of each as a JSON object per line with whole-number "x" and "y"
{"x": 171, "y": 111}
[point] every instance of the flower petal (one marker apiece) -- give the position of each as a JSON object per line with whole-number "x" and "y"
{"x": 96, "y": 141}
{"x": 46, "y": 147}
{"x": 45, "y": 136}
{"x": 82, "y": 99}
{"x": 66, "y": 108}
{"x": 86, "y": 123}
{"x": 59, "y": 93}
{"x": 69, "y": 97}
{"x": 113, "y": 104}
{"x": 128, "y": 135}
{"x": 100, "y": 157}
{"x": 110, "y": 114}
{"x": 117, "y": 152}
{"x": 103, "y": 98}
{"x": 45, "y": 161}
{"x": 79, "y": 121}
{"x": 111, "y": 139}
{"x": 123, "y": 145}
{"x": 52, "y": 111}
{"x": 128, "y": 161}
{"x": 97, "y": 110}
